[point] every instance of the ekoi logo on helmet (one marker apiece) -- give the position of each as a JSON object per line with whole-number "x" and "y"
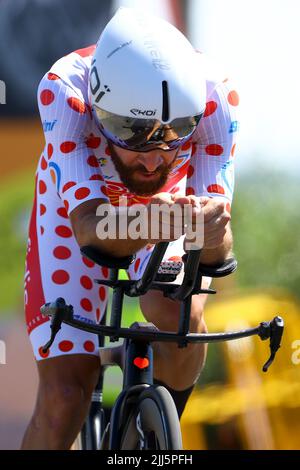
{"x": 146, "y": 112}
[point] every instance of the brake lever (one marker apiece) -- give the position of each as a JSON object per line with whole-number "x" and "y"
{"x": 58, "y": 311}
{"x": 274, "y": 331}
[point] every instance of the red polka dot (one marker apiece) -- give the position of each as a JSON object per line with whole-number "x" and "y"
{"x": 66, "y": 346}
{"x": 215, "y": 188}
{"x": 104, "y": 190}
{"x": 62, "y": 212}
{"x": 42, "y": 354}
{"x": 68, "y": 185}
{"x": 63, "y": 231}
{"x": 86, "y": 304}
{"x": 60, "y": 276}
{"x": 62, "y": 252}
{"x": 82, "y": 193}
{"x": 107, "y": 151}
{"x": 232, "y": 150}
{"x": 93, "y": 142}
{"x": 66, "y": 204}
{"x": 233, "y": 98}
{"x": 92, "y": 161}
{"x": 136, "y": 264}
{"x": 186, "y": 146}
{"x": 87, "y": 262}
{"x": 189, "y": 191}
{"x": 89, "y": 346}
{"x": 67, "y": 147}
{"x": 47, "y": 97}
{"x": 98, "y": 316}
{"x": 96, "y": 177}
{"x": 52, "y": 76}
{"x": 214, "y": 149}
{"x": 190, "y": 171}
{"x": 44, "y": 164}
{"x": 42, "y": 209}
{"x": 194, "y": 148}
{"x": 211, "y": 106}
{"x": 105, "y": 272}
{"x": 50, "y": 150}
{"x": 76, "y": 104}
{"x": 42, "y": 187}
{"x": 42, "y": 230}
{"x": 228, "y": 207}
{"x": 86, "y": 282}
{"x": 102, "y": 293}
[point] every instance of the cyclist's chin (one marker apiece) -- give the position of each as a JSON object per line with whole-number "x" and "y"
{"x": 145, "y": 184}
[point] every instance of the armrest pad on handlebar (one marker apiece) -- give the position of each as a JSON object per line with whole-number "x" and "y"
{"x": 222, "y": 270}
{"x": 105, "y": 260}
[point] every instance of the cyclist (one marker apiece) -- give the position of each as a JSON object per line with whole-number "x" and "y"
{"x": 140, "y": 115}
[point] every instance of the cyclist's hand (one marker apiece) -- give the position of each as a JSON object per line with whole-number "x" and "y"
{"x": 216, "y": 218}
{"x": 165, "y": 225}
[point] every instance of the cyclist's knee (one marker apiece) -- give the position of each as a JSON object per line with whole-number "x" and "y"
{"x": 65, "y": 389}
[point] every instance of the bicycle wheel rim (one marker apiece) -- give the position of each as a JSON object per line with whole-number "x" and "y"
{"x": 158, "y": 421}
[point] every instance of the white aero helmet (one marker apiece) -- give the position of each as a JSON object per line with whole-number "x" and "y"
{"x": 146, "y": 86}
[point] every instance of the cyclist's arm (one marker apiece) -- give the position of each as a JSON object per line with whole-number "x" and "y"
{"x": 212, "y": 161}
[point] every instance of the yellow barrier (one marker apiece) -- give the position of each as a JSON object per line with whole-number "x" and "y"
{"x": 251, "y": 409}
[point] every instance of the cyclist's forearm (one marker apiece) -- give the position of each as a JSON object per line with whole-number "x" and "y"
{"x": 218, "y": 255}
{"x": 112, "y": 244}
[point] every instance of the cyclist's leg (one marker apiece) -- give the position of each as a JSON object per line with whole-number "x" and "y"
{"x": 68, "y": 372}
{"x": 164, "y": 313}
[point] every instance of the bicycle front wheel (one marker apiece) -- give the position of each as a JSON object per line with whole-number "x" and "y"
{"x": 154, "y": 424}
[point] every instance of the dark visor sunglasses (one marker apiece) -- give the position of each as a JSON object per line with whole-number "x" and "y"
{"x": 145, "y": 134}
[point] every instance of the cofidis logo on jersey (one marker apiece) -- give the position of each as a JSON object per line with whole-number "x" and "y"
{"x": 48, "y": 126}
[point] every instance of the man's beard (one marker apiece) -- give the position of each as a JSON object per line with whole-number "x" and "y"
{"x": 140, "y": 188}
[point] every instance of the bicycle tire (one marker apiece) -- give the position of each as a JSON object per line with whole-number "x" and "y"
{"x": 158, "y": 420}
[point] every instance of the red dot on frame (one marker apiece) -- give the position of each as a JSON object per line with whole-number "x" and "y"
{"x": 105, "y": 272}
{"x": 42, "y": 209}
{"x": 190, "y": 171}
{"x": 137, "y": 264}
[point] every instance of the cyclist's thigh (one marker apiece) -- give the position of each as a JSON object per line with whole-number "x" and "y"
{"x": 60, "y": 375}
{"x": 55, "y": 268}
